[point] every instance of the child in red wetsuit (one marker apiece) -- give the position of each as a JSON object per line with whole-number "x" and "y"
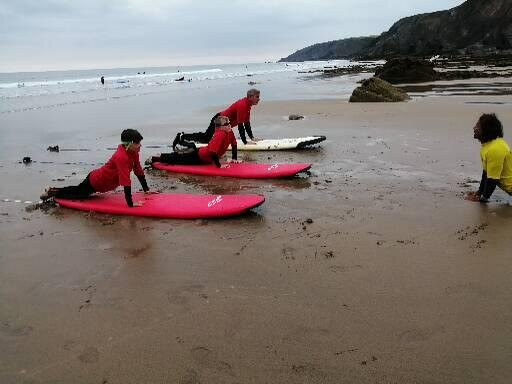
{"x": 216, "y": 148}
{"x": 114, "y": 173}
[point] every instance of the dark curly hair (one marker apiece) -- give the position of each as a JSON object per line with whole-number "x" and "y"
{"x": 491, "y": 127}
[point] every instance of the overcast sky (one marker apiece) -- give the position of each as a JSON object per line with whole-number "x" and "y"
{"x": 71, "y": 34}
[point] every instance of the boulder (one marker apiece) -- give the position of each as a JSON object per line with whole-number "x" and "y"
{"x": 407, "y": 70}
{"x": 377, "y": 90}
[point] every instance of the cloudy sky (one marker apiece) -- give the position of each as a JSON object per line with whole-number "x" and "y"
{"x": 71, "y": 34}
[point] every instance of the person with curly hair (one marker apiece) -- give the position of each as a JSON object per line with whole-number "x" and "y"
{"x": 496, "y": 158}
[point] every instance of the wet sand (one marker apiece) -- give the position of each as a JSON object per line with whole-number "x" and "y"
{"x": 372, "y": 269}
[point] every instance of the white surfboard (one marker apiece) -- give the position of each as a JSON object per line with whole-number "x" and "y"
{"x": 277, "y": 144}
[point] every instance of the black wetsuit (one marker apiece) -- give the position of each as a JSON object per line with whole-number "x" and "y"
{"x": 199, "y": 137}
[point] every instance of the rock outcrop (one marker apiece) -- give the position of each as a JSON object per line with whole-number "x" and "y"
{"x": 406, "y": 70}
{"x": 377, "y": 90}
{"x": 476, "y": 27}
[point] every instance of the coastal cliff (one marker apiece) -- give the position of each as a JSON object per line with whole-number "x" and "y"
{"x": 476, "y": 27}
{"x": 332, "y": 50}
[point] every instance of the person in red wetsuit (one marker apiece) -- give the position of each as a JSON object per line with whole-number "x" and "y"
{"x": 222, "y": 138}
{"x": 114, "y": 173}
{"x": 239, "y": 113}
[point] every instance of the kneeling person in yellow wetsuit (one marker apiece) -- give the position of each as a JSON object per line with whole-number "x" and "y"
{"x": 496, "y": 158}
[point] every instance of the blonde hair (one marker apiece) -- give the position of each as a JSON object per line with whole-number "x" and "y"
{"x": 221, "y": 120}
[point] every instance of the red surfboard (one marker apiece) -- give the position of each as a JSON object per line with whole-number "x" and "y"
{"x": 165, "y": 205}
{"x": 239, "y": 170}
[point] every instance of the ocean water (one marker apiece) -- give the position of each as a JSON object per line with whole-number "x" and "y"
{"x": 25, "y": 91}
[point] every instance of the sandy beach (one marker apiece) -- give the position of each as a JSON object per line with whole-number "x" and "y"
{"x": 371, "y": 269}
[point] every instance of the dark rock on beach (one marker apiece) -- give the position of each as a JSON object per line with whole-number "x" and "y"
{"x": 407, "y": 70}
{"x": 295, "y": 117}
{"x": 378, "y": 90}
{"x": 54, "y": 148}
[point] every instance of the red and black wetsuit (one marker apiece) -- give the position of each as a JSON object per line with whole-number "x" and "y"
{"x": 239, "y": 114}
{"x": 212, "y": 153}
{"x": 114, "y": 173}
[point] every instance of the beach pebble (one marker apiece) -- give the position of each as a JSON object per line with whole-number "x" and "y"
{"x": 295, "y": 117}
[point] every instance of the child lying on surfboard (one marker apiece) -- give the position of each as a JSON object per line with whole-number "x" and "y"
{"x": 114, "y": 173}
{"x": 216, "y": 148}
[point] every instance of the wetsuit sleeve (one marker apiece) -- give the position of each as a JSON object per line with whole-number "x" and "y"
{"x": 128, "y": 195}
{"x": 248, "y": 129}
{"x": 137, "y": 168}
{"x": 482, "y": 183}
{"x": 233, "y": 145}
{"x": 215, "y": 159}
{"x": 143, "y": 182}
{"x": 487, "y": 187}
{"x": 241, "y": 131}
{"x": 490, "y": 186}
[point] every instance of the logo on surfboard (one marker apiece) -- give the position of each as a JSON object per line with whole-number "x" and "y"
{"x": 215, "y": 201}
{"x": 273, "y": 166}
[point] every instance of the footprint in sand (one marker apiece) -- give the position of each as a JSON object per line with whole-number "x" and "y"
{"x": 9, "y": 329}
{"x": 89, "y": 355}
{"x": 190, "y": 377}
{"x": 419, "y": 334}
{"x": 288, "y": 253}
{"x": 69, "y": 345}
{"x": 137, "y": 252}
{"x": 344, "y": 268}
{"x": 182, "y": 296}
{"x": 208, "y": 359}
{"x": 309, "y": 370}
{"x": 465, "y": 288}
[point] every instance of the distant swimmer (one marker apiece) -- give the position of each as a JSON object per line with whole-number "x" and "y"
{"x": 239, "y": 113}
{"x": 102, "y": 80}
{"x": 495, "y": 156}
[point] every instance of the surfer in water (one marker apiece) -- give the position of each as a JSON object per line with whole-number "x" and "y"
{"x": 496, "y": 158}
{"x": 239, "y": 113}
{"x": 223, "y": 137}
{"x": 114, "y": 173}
